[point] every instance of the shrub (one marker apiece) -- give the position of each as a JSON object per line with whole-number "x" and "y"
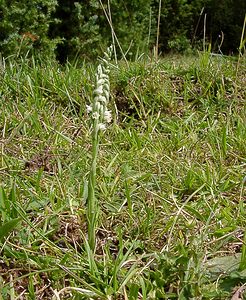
{"x": 24, "y": 26}
{"x": 80, "y": 28}
{"x": 85, "y": 30}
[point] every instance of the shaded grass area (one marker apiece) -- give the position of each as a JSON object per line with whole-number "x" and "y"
{"x": 170, "y": 183}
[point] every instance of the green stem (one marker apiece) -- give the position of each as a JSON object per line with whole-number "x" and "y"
{"x": 92, "y": 212}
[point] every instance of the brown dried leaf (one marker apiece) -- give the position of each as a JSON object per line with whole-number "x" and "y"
{"x": 238, "y": 295}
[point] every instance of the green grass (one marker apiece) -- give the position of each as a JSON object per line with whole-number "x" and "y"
{"x": 170, "y": 181}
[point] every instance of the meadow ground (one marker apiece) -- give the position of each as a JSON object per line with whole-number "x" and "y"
{"x": 171, "y": 179}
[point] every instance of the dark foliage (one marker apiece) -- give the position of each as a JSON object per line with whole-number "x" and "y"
{"x": 69, "y": 28}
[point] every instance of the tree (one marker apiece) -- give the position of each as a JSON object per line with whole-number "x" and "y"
{"x": 24, "y": 26}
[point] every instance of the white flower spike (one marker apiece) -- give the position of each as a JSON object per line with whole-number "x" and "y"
{"x": 99, "y": 112}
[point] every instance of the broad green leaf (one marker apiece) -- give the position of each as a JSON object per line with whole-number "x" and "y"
{"x": 7, "y": 227}
{"x": 223, "y": 265}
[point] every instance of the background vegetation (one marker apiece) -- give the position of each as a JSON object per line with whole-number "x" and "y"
{"x": 170, "y": 181}
{"x": 69, "y": 28}
{"x": 170, "y": 174}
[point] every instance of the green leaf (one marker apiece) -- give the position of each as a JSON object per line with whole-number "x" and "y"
{"x": 225, "y": 265}
{"x": 7, "y": 227}
{"x": 242, "y": 265}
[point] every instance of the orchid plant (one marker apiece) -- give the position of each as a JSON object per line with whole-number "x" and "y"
{"x": 100, "y": 116}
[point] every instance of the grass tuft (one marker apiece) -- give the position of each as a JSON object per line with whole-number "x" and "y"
{"x": 170, "y": 181}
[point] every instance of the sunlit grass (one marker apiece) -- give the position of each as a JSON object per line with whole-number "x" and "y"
{"x": 170, "y": 181}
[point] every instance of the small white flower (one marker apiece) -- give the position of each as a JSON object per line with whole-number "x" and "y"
{"x": 106, "y": 93}
{"x": 96, "y": 99}
{"x": 95, "y": 115}
{"x": 101, "y": 126}
{"x": 99, "y": 70}
{"x": 105, "y": 76}
{"x": 105, "y": 61}
{"x": 88, "y": 108}
{"x": 101, "y": 111}
{"x": 97, "y": 106}
{"x": 102, "y": 99}
{"x": 99, "y": 90}
{"x": 107, "y": 116}
{"x": 106, "y": 55}
{"x": 101, "y": 81}
{"x": 106, "y": 86}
